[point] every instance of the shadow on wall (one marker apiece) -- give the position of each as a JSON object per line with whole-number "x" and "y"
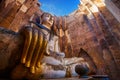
{"x": 1, "y": 1}
{"x": 88, "y": 58}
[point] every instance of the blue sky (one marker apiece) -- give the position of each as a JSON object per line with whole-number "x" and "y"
{"x": 59, "y": 7}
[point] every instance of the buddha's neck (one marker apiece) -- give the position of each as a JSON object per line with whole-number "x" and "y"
{"x": 47, "y": 26}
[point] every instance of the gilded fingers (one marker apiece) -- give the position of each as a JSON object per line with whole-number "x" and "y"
{"x": 36, "y": 52}
{"x": 27, "y": 31}
{"x": 43, "y": 48}
{"x": 32, "y": 47}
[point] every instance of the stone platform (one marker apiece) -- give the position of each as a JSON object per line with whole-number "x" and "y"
{"x": 92, "y": 77}
{"x": 73, "y": 78}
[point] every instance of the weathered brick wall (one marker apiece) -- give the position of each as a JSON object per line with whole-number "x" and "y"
{"x": 117, "y": 3}
{"x": 14, "y": 14}
{"x": 113, "y": 7}
{"x": 95, "y": 29}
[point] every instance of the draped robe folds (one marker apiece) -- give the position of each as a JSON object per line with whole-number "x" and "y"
{"x": 55, "y": 63}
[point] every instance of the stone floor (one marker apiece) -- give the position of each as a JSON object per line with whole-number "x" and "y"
{"x": 73, "y": 78}
{"x": 93, "y": 77}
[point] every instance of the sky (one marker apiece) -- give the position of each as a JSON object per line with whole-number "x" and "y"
{"x": 59, "y": 7}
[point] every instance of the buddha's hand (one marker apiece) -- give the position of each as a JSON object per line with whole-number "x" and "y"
{"x": 34, "y": 48}
{"x": 21, "y": 72}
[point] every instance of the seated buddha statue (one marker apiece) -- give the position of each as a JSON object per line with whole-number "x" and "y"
{"x": 41, "y": 56}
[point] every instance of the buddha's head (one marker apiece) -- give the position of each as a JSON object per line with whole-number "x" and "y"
{"x": 47, "y": 20}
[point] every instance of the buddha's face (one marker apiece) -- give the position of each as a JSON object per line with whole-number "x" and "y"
{"x": 47, "y": 20}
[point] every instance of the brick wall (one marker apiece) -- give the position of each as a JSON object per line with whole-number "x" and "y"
{"x": 96, "y": 30}
{"x": 15, "y": 14}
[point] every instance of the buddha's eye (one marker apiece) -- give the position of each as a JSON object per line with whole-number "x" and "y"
{"x": 51, "y": 18}
{"x": 47, "y": 15}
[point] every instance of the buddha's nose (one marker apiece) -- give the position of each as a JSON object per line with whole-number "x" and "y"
{"x": 51, "y": 19}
